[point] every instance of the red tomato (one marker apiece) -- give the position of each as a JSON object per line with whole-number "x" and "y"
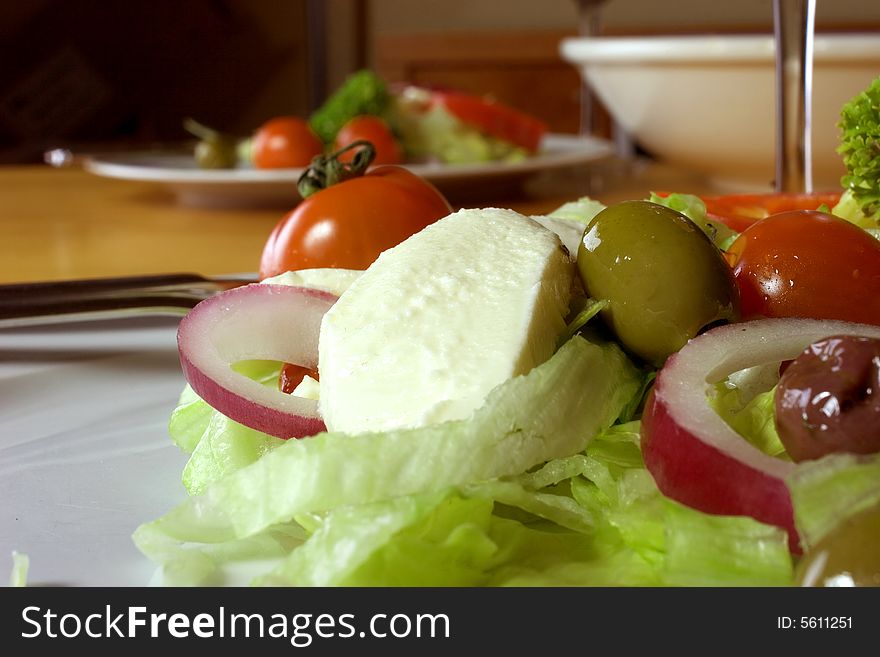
{"x": 739, "y": 211}
{"x": 374, "y": 130}
{"x": 285, "y": 142}
{"x": 349, "y": 224}
{"x": 807, "y": 264}
{"x": 493, "y": 118}
{"x": 292, "y": 375}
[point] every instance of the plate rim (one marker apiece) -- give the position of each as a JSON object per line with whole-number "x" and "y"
{"x": 559, "y": 150}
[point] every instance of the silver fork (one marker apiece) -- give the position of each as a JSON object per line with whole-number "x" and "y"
{"x": 52, "y": 302}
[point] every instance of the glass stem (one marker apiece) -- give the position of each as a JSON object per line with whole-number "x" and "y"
{"x": 793, "y": 22}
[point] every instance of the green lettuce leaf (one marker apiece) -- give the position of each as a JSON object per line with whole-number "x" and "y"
{"x": 189, "y": 420}
{"x": 433, "y": 539}
{"x": 581, "y": 210}
{"x": 694, "y": 209}
{"x": 754, "y": 420}
{"x": 677, "y": 545}
{"x": 437, "y": 134}
{"x": 20, "y": 565}
{"x": 746, "y": 402}
{"x": 217, "y": 444}
{"x": 589, "y": 519}
{"x": 849, "y": 208}
{"x": 587, "y": 310}
{"x": 219, "y": 563}
{"x": 225, "y": 447}
{"x": 446, "y": 539}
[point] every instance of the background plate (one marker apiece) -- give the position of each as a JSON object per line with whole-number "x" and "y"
{"x": 253, "y": 187}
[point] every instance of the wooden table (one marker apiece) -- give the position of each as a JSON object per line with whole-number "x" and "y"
{"x": 67, "y": 223}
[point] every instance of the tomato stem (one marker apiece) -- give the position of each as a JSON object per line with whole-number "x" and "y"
{"x": 327, "y": 170}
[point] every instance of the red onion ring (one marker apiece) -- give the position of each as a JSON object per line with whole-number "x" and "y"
{"x": 254, "y": 322}
{"x": 694, "y": 456}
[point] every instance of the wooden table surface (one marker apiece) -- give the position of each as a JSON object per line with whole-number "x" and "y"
{"x": 68, "y": 223}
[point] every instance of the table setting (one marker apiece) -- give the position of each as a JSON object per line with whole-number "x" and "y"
{"x": 417, "y": 337}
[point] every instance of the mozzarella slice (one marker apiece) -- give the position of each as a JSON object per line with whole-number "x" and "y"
{"x": 439, "y": 320}
{"x": 334, "y": 281}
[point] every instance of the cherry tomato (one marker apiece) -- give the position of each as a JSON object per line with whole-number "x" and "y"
{"x": 493, "y": 118}
{"x": 739, "y": 211}
{"x": 374, "y": 130}
{"x": 285, "y": 142}
{"x": 807, "y": 264}
{"x": 349, "y": 224}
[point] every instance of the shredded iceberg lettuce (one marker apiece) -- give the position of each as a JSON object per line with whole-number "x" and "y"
{"x": 20, "y": 565}
{"x": 539, "y": 488}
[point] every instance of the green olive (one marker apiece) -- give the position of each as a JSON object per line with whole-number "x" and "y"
{"x": 216, "y": 153}
{"x": 214, "y": 149}
{"x": 847, "y": 556}
{"x": 663, "y": 278}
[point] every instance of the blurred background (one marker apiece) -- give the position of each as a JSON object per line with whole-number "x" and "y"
{"x": 97, "y": 71}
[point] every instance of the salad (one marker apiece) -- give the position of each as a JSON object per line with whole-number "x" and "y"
{"x": 510, "y": 400}
{"x": 405, "y": 123}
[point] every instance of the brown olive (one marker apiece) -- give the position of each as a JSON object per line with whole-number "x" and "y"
{"x": 828, "y": 399}
{"x": 846, "y": 556}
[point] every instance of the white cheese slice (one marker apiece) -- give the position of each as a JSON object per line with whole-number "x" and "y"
{"x": 334, "y": 281}
{"x": 570, "y": 231}
{"x": 439, "y": 320}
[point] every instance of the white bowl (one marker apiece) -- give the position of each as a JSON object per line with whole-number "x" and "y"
{"x": 707, "y": 102}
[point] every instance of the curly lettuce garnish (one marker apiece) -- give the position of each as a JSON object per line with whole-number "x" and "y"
{"x": 860, "y": 149}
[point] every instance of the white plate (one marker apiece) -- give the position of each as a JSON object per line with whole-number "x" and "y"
{"x": 84, "y": 450}
{"x": 249, "y": 187}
